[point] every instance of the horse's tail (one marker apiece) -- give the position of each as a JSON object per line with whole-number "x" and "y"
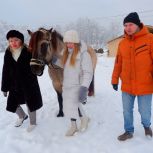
{"x": 91, "y": 51}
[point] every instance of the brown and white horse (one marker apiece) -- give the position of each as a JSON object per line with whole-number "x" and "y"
{"x": 46, "y": 46}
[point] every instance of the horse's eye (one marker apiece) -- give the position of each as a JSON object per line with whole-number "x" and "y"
{"x": 44, "y": 46}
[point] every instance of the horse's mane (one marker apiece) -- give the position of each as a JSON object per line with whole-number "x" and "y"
{"x": 59, "y": 36}
{"x": 36, "y": 36}
{"x": 55, "y": 37}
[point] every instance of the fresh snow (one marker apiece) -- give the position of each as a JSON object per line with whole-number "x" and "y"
{"x": 105, "y": 111}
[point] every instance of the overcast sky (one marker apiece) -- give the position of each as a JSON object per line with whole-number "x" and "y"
{"x": 37, "y": 13}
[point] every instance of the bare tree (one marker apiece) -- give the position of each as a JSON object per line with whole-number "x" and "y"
{"x": 114, "y": 30}
{"x": 89, "y": 31}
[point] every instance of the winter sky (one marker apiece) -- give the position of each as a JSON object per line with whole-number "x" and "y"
{"x": 58, "y": 12}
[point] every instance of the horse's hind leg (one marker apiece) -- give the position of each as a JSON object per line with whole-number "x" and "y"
{"x": 91, "y": 90}
{"x": 60, "y": 102}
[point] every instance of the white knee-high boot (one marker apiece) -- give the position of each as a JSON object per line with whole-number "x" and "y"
{"x": 73, "y": 129}
{"x": 32, "y": 116}
{"x": 84, "y": 120}
{"x": 22, "y": 116}
{"x": 84, "y": 123}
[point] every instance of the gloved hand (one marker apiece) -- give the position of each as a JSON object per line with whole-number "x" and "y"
{"x": 83, "y": 94}
{"x": 115, "y": 86}
{"x": 5, "y": 94}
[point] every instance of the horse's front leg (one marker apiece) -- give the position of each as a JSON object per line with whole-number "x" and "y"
{"x": 60, "y": 102}
{"x": 56, "y": 77}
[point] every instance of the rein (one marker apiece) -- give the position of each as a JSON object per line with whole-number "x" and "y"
{"x": 42, "y": 63}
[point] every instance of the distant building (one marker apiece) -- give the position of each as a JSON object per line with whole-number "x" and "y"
{"x": 113, "y": 44}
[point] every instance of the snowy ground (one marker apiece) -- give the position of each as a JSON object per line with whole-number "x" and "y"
{"x": 105, "y": 111}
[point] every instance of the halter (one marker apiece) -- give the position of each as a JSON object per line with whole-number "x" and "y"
{"x": 42, "y": 63}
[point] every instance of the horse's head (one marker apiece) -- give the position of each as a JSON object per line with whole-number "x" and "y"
{"x": 44, "y": 44}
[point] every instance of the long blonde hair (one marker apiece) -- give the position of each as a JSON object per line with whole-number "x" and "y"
{"x": 74, "y": 54}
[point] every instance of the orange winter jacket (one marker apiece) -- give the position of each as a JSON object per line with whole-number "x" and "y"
{"x": 134, "y": 63}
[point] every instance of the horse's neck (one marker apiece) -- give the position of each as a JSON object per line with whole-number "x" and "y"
{"x": 60, "y": 48}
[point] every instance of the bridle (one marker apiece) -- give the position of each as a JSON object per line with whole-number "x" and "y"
{"x": 41, "y": 62}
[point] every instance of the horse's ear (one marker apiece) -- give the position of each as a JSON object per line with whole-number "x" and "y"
{"x": 54, "y": 30}
{"x": 29, "y": 32}
{"x": 54, "y": 33}
{"x": 50, "y": 30}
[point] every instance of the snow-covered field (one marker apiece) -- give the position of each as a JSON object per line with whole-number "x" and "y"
{"x": 105, "y": 111}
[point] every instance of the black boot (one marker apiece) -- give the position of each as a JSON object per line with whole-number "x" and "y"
{"x": 148, "y": 131}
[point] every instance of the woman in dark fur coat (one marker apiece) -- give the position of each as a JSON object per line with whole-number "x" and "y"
{"x": 19, "y": 81}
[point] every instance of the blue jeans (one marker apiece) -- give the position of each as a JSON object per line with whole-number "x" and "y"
{"x": 144, "y": 107}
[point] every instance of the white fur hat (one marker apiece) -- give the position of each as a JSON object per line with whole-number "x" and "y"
{"x": 71, "y": 36}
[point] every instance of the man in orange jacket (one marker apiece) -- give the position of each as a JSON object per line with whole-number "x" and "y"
{"x": 134, "y": 66}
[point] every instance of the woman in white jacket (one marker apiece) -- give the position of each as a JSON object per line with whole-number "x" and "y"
{"x": 78, "y": 72}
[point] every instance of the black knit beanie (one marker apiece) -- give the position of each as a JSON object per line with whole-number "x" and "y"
{"x": 132, "y": 17}
{"x": 15, "y": 33}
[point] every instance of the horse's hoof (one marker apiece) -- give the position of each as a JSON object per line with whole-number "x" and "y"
{"x": 60, "y": 114}
{"x": 90, "y": 93}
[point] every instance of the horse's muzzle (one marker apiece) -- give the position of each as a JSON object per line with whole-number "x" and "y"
{"x": 37, "y": 67}
{"x": 37, "y": 70}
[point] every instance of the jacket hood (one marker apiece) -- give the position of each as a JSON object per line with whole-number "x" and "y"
{"x": 83, "y": 47}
